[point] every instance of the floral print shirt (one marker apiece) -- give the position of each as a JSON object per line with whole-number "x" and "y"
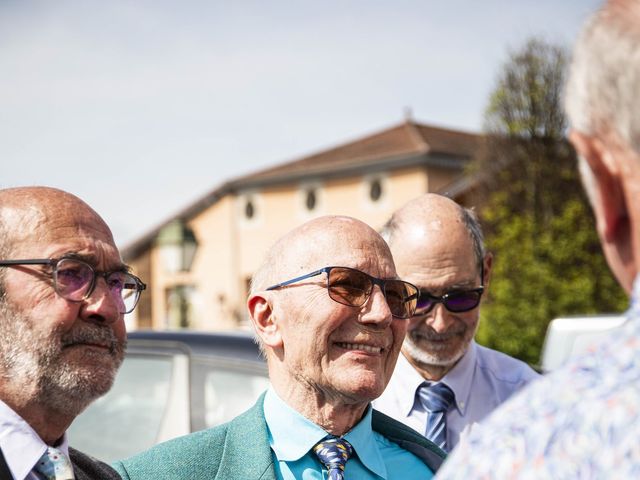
{"x": 580, "y": 422}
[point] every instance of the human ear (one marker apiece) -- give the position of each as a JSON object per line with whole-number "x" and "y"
{"x": 608, "y": 200}
{"x": 264, "y": 320}
{"x": 488, "y": 265}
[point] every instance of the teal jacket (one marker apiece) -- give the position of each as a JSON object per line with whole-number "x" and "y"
{"x": 240, "y": 449}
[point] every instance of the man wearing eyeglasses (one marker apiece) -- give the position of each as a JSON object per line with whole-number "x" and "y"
{"x": 445, "y": 383}
{"x": 63, "y": 294}
{"x": 330, "y": 314}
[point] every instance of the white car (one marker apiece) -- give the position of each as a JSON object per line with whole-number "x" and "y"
{"x": 171, "y": 384}
{"x": 569, "y": 336}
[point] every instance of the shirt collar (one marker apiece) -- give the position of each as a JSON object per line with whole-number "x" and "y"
{"x": 459, "y": 378}
{"x": 21, "y": 446}
{"x": 292, "y": 436}
{"x": 405, "y": 378}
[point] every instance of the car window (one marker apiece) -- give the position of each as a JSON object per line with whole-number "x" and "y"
{"x": 222, "y": 391}
{"x": 128, "y": 418}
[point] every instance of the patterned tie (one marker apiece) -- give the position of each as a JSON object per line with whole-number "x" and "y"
{"x": 334, "y": 452}
{"x": 54, "y": 465}
{"x": 436, "y": 400}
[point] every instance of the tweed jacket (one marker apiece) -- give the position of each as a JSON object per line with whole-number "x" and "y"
{"x": 240, "y": 450}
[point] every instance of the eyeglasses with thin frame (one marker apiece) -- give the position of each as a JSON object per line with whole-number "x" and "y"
{"x": 75, "y": 280}
{"x": 352, "y": 287}
{"x": 456, "y": 301}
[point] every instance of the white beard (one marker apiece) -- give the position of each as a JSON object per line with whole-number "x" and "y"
{"x": 31, "y": 360}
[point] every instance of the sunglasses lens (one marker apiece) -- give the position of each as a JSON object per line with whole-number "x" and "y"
{"x": 73, "y": 279}
{"x": 424, "y": 304}
{"x": 462, "y": 301}
{"x": 349, "y": 287}
{"x": 401, "y": 298}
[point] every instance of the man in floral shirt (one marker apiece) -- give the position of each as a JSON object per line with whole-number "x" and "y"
{"x": 583, "y": 421}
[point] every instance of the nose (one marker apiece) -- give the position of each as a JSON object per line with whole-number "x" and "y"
{"x": 439, "y": 319}
{"x": 376, "y": 310}
{"x": 102, "y": 305}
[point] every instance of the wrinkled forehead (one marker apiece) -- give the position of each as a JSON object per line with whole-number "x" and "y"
{"x": 50, "y": 229}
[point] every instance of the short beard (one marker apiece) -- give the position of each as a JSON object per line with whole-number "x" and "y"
{"x": 30, "y": 359}
{"x": 412, "y": 348}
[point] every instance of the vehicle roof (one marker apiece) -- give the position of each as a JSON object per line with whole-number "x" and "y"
{"x": 239, "y": 345}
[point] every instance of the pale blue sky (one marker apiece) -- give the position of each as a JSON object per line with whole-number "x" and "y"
{"x": 142, "y": 107}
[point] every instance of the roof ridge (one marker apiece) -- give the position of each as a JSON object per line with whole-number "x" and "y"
{"x": 416, "y": 136}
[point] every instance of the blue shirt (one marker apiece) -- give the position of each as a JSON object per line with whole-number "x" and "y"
{"x": 481, "y": 380}
{"x": 292, "y": 436}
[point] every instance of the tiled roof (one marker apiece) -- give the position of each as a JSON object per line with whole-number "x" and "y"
{"x": 409, "y": 143}
{"x": 404, "y": 140}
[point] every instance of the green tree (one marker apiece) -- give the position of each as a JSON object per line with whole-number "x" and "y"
{"x": 537, "y": 221}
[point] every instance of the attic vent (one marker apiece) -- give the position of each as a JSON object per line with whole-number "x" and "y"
{"x": 375, "y": 189}
{"x": 249, "y": 209}
{"x": 310, "y": 200}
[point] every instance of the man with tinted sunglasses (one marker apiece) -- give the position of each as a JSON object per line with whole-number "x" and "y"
{"x": 330, "y": 315}
{"x": 444, "y": 382}
{"x": 64, "y": 291}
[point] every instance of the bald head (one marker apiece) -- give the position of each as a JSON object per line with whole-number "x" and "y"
{"x": 43, "y": 213}
{"x": 324, "y": 241}
{"x": 430, "y": 218}
{"x": 24, "y": 209}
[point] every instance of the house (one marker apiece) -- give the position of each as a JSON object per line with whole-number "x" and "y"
{"x": 232, "y": 226}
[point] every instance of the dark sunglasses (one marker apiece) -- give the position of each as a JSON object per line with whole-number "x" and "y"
{"x": 352, "y": 287}
{"x": 456, "y": 301}
{"x": 75, "y": 280}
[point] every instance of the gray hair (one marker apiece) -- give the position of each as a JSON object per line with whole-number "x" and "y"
{"x": 469, "y": 219}
{"x": 601, "y": 91}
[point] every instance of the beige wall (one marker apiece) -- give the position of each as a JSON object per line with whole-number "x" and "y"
{"x": 232, "y": 246}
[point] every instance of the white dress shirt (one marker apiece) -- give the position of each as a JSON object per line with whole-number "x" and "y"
{"x": 481, "y": 380}
{"x": 21, "y": 445}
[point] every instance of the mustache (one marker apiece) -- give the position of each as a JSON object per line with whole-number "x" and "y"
{"x": 429, "y": 334}
{"x": 93, "y": 334}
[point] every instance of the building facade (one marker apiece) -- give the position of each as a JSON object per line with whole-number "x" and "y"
{"x": 231, "y": 228}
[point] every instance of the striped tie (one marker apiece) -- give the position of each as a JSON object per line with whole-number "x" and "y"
{"x": 334, "y": 452}
{"x": 54, "y": 465}
{"x": 436, "y": 399}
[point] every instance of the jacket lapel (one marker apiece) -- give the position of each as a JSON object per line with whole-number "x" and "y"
{"x": 408, "y": 439}
{"x": 247, "y": 453}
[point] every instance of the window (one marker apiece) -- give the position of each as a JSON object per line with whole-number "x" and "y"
{"x": 310, "y": 200}
{"x": 375, "y": 189}
{"x": 376, "y": 192}
{"x": 137, "y": 403}
{"x": 249, "y": 209}
{"x": 220, "y": 392}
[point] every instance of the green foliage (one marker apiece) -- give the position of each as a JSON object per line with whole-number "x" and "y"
{"x": 537, "y": 221}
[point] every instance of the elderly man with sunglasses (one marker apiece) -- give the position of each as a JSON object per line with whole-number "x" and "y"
{"x": 444, "y": 383}
{"x": 330, "y": 316}
{"x": 63, "y": 294}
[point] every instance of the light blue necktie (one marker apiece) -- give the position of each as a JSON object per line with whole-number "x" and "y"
{"x": 54, "y": 465}
{"x": 334, "y": 452}
{"x": 436, "y": 399}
